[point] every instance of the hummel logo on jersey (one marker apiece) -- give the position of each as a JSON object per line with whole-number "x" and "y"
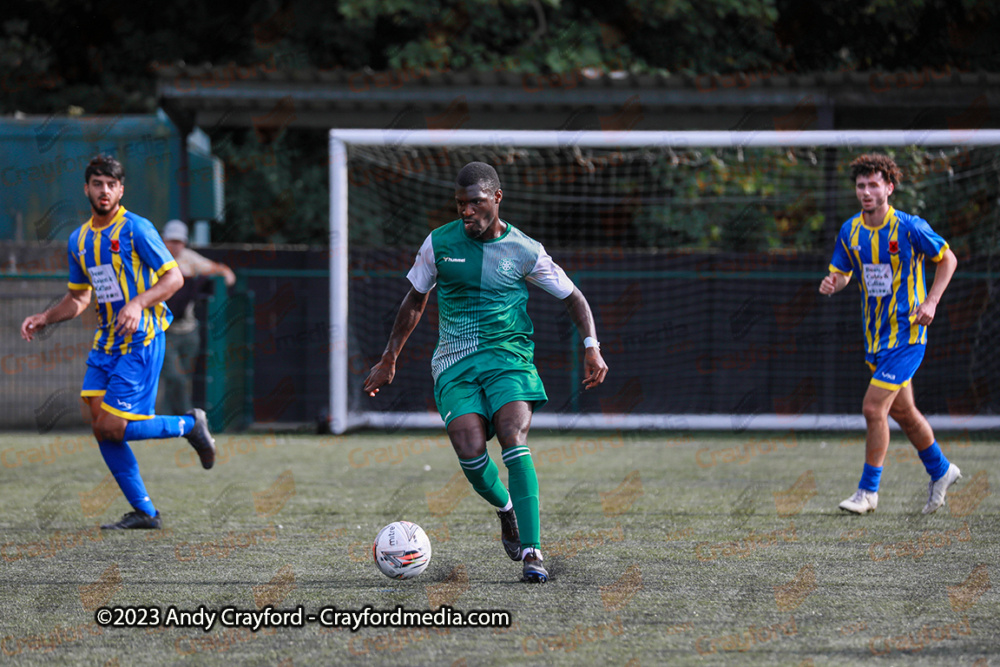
{"x": 127, "y": 406}
{"x": 453, "y": 259}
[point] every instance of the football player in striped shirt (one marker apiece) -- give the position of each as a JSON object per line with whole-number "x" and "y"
{"x": 485, "y": 380}
{"x": 885, "y": 249}
{"x": 119, "y": 258}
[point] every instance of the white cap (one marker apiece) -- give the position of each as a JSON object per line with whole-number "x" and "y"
{"x": 175, "y": 230}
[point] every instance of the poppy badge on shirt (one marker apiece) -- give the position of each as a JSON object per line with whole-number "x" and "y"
{"x": 114, "y": 245}
{"x": 893, "y": 247}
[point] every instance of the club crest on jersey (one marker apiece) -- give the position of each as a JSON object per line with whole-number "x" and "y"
{"x": 114, "y": 245}
{"x": 893, "y": 247}
{"x": 506, "y": 267}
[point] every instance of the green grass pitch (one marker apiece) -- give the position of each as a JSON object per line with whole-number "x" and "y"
{"x": 663, "y": 549}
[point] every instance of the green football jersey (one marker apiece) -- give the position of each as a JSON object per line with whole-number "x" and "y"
{"x": 482, "y": 290}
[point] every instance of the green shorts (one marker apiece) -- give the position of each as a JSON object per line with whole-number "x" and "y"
{"x": 483, "y": 382}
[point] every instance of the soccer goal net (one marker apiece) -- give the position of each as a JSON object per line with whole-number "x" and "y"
{"x": 701, "y": 255}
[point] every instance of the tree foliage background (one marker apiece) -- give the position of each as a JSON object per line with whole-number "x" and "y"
{"x": 85, "y": 56}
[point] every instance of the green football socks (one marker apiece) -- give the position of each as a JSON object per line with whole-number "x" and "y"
{"x": 523, "y": 484}
{"x": 484, "y": 476}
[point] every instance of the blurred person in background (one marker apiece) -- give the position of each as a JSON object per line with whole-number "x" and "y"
{"x": 183, "y": 338}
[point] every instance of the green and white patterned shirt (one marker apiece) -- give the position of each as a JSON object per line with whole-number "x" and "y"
{"x": 482, "y": 295}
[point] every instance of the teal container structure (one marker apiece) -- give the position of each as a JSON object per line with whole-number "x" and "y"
{"x": 42, "y": 160}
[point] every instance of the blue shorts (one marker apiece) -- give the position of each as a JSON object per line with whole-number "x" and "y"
{"x": 127, "y": 382}
{"x": 894, "y": 368}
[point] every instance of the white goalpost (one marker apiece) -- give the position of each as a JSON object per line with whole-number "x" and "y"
{"x": 732, "y": 365}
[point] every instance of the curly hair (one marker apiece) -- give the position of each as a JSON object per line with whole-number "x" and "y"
{"x": 871, "y": 163}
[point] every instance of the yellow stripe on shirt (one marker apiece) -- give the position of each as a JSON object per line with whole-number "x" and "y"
{"x": 118, "y": 264}
{"x": 856, "y": 246}
{"x": 915, "y": 336}
{"x": 108, "y": 309}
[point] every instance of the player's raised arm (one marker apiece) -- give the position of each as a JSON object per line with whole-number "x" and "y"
{"x": 410, "y": 311}
{"x": 595, "y": 369}
{"x": 72, "y": 304}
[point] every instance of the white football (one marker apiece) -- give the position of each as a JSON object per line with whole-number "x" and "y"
{"x": 402, "y": 550}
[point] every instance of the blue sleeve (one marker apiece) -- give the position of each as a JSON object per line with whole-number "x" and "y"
{"x": 841, "y": 262}
{"x": 78, "y": 278}
{"x": 926, "y": 240}
{"x": 149, "y": 246}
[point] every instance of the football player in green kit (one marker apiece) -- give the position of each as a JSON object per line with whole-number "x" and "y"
{"x": 485, "y": 381}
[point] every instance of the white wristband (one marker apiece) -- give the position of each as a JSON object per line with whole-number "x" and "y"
{"x": 591, "y": 342}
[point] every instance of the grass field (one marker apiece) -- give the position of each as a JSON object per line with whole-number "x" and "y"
{"x": 663, "y": 549}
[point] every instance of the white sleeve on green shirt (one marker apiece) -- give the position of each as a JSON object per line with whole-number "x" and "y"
{"x": 549, "y": 276}
{"x": 423, "y": 275}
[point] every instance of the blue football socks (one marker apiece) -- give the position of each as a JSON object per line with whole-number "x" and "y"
{"x": 935, "y": 461}
{"x": 870, "y": 478}
{"x": 121, "y": 461}
{"x": 159, "y": 427}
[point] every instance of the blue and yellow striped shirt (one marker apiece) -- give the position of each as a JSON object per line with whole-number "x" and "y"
{"x": 118, "y": 262}
{"x": 889, "y": 260}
